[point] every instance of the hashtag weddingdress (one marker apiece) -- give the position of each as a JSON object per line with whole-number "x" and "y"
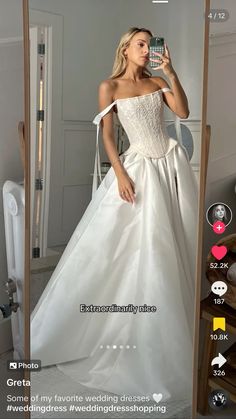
{"x": 128, "y": 254}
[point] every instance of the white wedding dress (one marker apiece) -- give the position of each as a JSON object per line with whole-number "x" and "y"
{"x": 128, "y": 255}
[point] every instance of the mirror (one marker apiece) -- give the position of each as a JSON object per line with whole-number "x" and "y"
{"x": 112, "y": 281}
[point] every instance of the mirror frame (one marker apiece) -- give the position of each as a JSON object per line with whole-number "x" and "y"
{"x": 205, "y": 140}
{"x": 205, "y": 137}
{"x": 26, "y": 291}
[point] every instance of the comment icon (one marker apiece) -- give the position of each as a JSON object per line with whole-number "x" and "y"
{"x": 219, "y": 288}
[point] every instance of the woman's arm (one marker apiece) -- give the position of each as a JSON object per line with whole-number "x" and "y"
{"x": 105, "y": 98}
{"x": 177, "y": 99}
{"x": 125, "y": 184}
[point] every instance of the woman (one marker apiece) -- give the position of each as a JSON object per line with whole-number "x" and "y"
{"x": 119, "y": 305}
{"x": 219, "y": 214}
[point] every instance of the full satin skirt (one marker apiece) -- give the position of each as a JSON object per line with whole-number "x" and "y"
{"x": 122, "y": 253}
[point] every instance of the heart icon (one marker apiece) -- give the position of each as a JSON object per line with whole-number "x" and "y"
{"x": 219, "y": 251}
{"x": 157, "y": 397}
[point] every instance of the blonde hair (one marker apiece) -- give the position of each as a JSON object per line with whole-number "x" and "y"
{"x": 119, "y": 65}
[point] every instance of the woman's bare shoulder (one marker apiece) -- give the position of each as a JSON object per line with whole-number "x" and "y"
{"x": 106, "y": 93}
{"x": 108, "y": 87}
{"x": 159, "y": 81}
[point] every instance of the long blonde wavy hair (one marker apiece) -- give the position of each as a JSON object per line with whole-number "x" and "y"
{"x": 119, "y": 65}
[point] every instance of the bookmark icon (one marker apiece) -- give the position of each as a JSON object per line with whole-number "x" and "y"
{"x": 219, "y": 323}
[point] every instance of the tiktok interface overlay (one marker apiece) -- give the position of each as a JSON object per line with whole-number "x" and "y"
{"x": 219, "y": 216}
{"x": 221, "y": 273}
{"x": 83, "y": 404}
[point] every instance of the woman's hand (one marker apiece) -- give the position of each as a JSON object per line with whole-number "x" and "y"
{"x": 165, "y": 60}
{"x": 126, "y": 187}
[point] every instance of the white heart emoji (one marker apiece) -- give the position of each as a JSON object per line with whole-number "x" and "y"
{"x": 157, "y": 397}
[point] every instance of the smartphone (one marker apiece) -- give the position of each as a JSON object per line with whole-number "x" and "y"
{"x": 156, "y": 45}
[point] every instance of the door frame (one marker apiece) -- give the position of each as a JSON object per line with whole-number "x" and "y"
{"x": 54, "y": 30}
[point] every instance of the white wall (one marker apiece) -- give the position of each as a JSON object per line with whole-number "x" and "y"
{"x": 11, "y": 110}
{"x": 230, "y": 24}
{"x": 180, "y": 22}
{"x": 221, "y": 179}
{"x": 11, "y": 19}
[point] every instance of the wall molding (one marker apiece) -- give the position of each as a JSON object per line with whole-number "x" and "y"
{"x": 222, "y": 38}
{"x": 12, "y": 41}
{"x": 74, "y": 135}
{"x": 224, "y": 45}
{"x": 221, "y": 168}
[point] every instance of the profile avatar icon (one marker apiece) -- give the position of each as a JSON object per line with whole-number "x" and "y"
{"x": 219, "y": 213}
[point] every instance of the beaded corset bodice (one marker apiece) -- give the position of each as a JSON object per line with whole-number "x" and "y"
{"x": 143, "y": 121}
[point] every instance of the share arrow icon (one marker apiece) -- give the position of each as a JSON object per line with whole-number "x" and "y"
{"x": 219, "y": 360}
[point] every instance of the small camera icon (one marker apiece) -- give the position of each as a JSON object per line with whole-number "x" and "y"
{"x": 13, "y": 365}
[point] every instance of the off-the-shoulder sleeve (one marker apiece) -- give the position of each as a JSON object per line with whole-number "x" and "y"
{"x": 166, "y": 89}
{"x": 97, "y": 163}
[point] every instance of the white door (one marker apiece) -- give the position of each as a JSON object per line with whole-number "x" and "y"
{"x": 45, "y": 90}
{"x": 70, "y": 145}
{"x": 40, "y": 137}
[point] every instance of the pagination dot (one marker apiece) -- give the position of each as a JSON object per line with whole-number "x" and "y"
{"x": 118, "y": 346}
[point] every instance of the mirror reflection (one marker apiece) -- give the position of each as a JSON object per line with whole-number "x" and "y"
{"x": 114, "y": 198}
